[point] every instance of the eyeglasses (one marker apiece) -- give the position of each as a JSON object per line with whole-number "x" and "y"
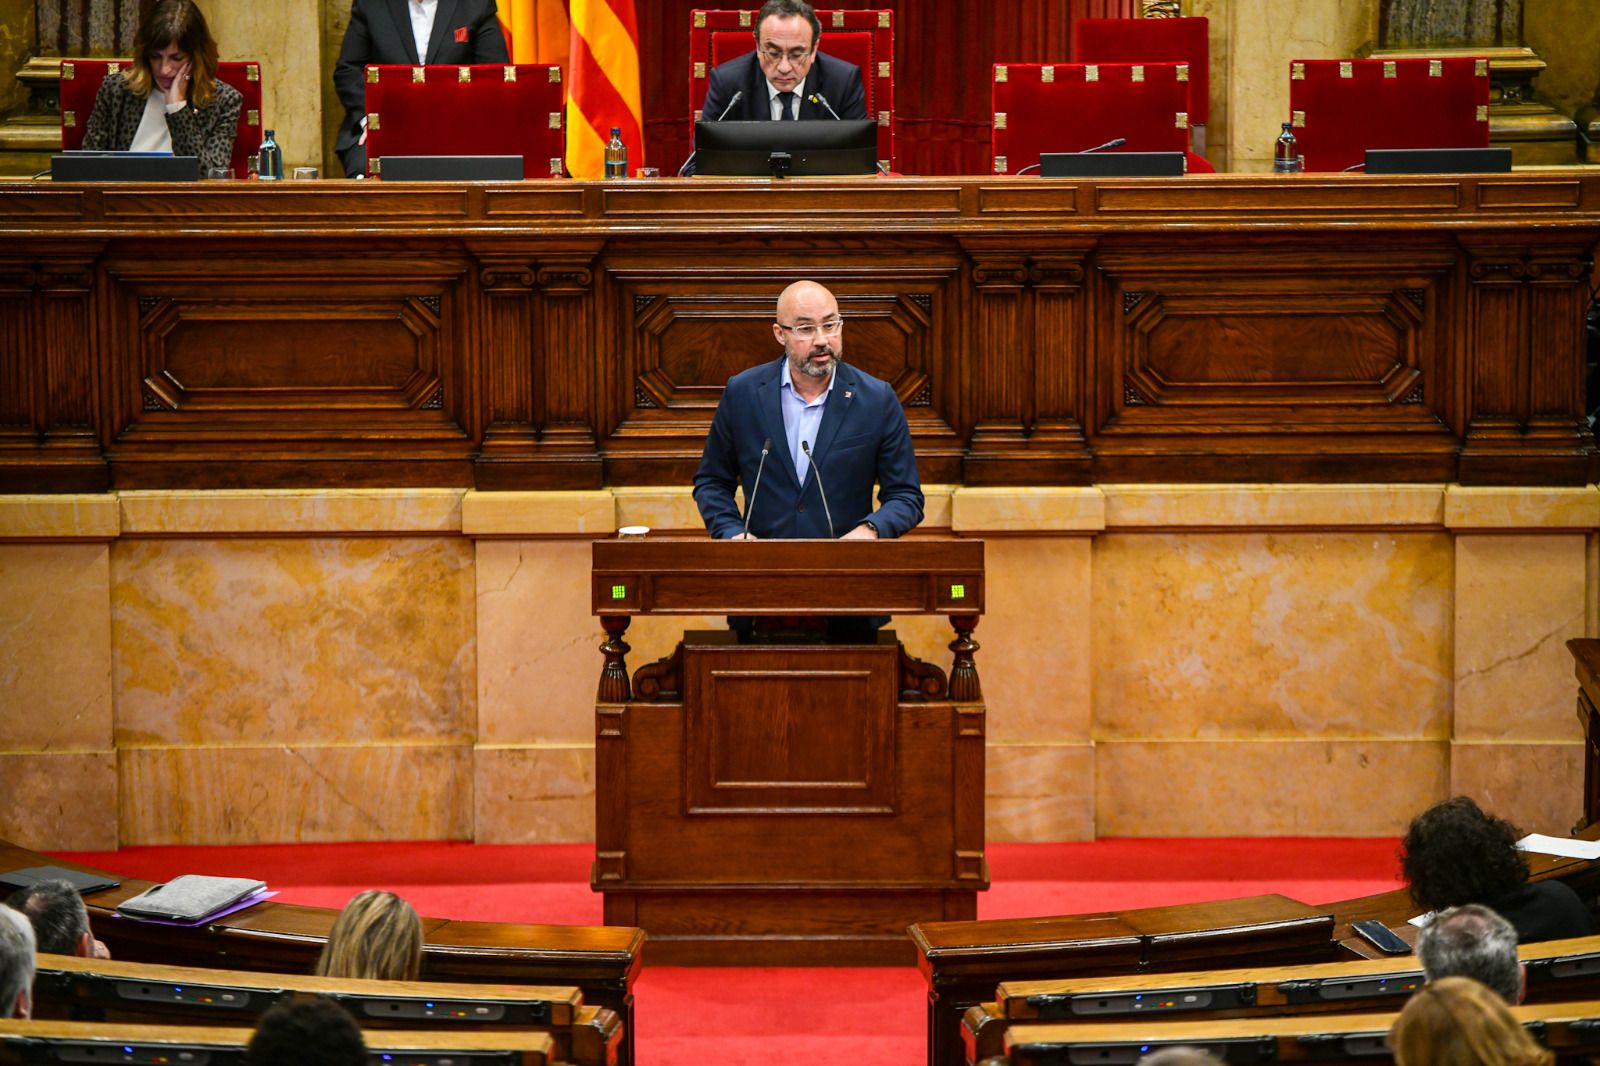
{"x": 773, "y": 54}
{"x": 809, "y": 331}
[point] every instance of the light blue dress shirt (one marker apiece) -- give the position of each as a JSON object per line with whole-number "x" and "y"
{"x": 801, "y": 420}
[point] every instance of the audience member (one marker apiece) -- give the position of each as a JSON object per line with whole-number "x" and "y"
{"x": 59, "y": 919}
{"x": 17, "y": 952}
{"x": 171, "y": 101}
{"x": 1454, "y": 853}
{"x": 1455, "y": 1021}
{"x": 1180, "y": 1056}
{"x": 316, "y": 1032}
{"x": 377, "y": 936}
{"x": 1473, "y": 941}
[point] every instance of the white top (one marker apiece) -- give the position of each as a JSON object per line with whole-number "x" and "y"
{"x": 422, "y": 15}
{"x": 153, "y": 134}
{"x": 777, "y": 105}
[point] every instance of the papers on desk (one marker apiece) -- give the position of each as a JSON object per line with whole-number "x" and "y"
{"x": 1421, "y": 920}
{"x": 1565, "y": 847}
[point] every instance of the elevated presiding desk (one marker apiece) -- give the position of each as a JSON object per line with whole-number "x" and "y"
{"x": 562, "y": 334}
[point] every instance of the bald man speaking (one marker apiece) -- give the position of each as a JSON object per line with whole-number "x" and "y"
{"x": 807, "y": 435}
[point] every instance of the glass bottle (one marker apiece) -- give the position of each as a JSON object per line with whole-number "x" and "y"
{"x": 616, "y": 155}
{"x": 271, "y": 159}
{"x": 1286, "y": 160}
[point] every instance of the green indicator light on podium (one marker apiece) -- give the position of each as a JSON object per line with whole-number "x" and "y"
{"x": 958, "y": 592}
{"x": 619, "y": 592}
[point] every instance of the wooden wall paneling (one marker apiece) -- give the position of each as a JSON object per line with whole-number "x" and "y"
{"x": 571, "y": 349}
{"x": 1275, "y": 360}
{"x": 309, "y": 369}
{"x": 1525, "y": 354}
{"x": 506, "y": 300}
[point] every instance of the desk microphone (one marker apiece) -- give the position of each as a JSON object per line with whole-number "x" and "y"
{"x": 750, "y": 504}
{"x": 1115, "y": 142}
{"x": 818, "y": 98}
{"x": 737, "y": 96}
{"x": 820, "y": 490}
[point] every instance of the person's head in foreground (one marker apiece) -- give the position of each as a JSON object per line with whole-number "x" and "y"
{"x": 376, "y": 936}
{"x": 60, "y": 922}
{"x": 16, "y": 964}
{"x": 317, "y": 1032}
{"x": 1455, "y": 1021}
{"x": 1455, "y": 853}
{"x": 1180, "y": 1056}
{"x": 173, "y": 43}
{"x": 1473, "y": 941}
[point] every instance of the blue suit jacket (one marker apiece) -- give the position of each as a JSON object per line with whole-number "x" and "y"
{"x": 863, "y": 438}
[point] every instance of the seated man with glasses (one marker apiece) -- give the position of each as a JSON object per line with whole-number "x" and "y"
{"x": 784, "y": 71}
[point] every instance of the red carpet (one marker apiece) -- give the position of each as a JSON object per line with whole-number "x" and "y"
{"x": 846, "y": 1010}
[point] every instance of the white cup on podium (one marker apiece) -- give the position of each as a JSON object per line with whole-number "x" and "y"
{"x": 633, "y": 532}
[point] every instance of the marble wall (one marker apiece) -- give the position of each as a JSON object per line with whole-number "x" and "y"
{"x": 286, "y": 36}
{"x": 1157, "y": 660}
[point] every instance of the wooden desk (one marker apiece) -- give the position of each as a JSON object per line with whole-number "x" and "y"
{"x": 544, "y": 335}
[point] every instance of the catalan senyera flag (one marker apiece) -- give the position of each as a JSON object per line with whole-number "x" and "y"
{"x": 602, "y": 85}
{"x": 539, "y": 31}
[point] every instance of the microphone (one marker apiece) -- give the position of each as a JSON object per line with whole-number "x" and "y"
{"x": 738, "y": 95}
{"x": 820, "y": 490}
{"x": 818, "y": 98}
{"x": 1115, "y": 142}
{"x": 750, "y": 504}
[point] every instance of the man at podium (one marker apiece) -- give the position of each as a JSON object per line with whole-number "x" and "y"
{"x": 807, "y": 436}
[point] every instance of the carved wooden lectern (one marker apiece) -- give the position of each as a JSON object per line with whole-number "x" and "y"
{"x": 783, "y": 800}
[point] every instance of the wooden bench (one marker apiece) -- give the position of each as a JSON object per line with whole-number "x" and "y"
{"x": 1558, "y": 971}
{"x": 153, "y": 994}
{"x": 58, "y": 1041}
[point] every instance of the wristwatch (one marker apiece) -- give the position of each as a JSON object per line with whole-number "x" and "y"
{"x": 870, "y": 524}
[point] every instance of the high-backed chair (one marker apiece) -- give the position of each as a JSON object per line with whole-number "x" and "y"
{"x": 1068, "y": 107}
{"x": 1342, "y": 107}
{"x": 81, "y": 78}
{"x": 865, "y": 38}
{"x": 1154, "y": 40}
{"x": 483, "y": 109}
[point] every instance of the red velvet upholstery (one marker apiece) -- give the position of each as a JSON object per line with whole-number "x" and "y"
{"x": 1152, "y": 40}
{"x": 865, "y": 38}
{"x": 485, "y": 109}
{"x": 80, "y": 82}
{"x": 1067, "y": 107}
{"x": 1342, "y": 107}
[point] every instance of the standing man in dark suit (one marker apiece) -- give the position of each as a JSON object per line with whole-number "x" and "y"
{"x": 818, "y": 432}
{"x": 419, "y": 32}
{"x": 784, "y": 71}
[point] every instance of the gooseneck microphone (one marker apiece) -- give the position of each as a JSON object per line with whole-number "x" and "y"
{"x": 818, "y": 98}
{"x": 820, "y": 490}
{"x": 750, "y": 504}
{"x": 1115, "y": 142}
{"x": 737, "y": 96}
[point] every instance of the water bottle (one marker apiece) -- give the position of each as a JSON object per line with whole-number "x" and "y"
{"x": 270, "y": 159}
{"x": 616, "y": 155}
{"x": 1287, "y": 158}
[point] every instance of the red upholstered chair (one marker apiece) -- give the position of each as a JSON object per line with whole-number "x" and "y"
{"x": 1154, "y": 40}
{"x": 81, "y": 78}
{"x": 1067, "y": 107}
{"x": 484, "y": 109}
{"x": 865, "y": 38}
{"x": 1342, "y": 107}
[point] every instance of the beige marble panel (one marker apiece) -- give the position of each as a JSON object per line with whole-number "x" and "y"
{"x": 535, "y": 795}
{"x": 55, "y": 647}
{"x": 1519, "y": 599}
{"x": 294, "y": 641}
{"x": 1258, "y": 635}
{"x": 1019, "y": 510}
{"x": 283, "y": 35}
{"x": 296, "y": 512}
{"x": 292, "y": 794}
{"x": 1039, "y": 792}
{"x": 1536, "y": 787}
{"x": 1035, "y": 660}
{"x": 664, "y": 510}
{"x": 64, "y": 517}
{"x": 1475, "y": 507}
{"x": 528, "y": 514}
{"x": 1272, "y": 506}
{"x": 60, "y": 801}
{"x": 1306, "y": 788}
{"x": 538, "y": 658}
{"x": 1566, "y": 34}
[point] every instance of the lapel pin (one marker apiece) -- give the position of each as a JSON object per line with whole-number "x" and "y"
{"x": 848, "y": 394}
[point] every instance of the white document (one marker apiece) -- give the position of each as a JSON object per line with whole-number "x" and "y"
{"x": 1566, "y": 847}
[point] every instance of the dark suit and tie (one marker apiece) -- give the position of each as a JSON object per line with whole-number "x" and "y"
{"x": 836, "y": 80}
{"x": 380, "y": 31}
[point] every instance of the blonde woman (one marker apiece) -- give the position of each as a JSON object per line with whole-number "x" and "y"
{"x": 377, "y": 936}
{"x": 1455, "y": 1021}
{"x": 171, "y": 100}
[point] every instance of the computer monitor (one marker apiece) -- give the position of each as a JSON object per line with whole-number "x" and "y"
{"x": 450, "y": 168}
{"x": 124, "y": 166}
{"x": 1112, "y": 164}
{"x": 1438, "y": 160}
{"x": 803, "y": 148}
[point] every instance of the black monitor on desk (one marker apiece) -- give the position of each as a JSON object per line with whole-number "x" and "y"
{"x": 803, "y": 148}
{"x": 124, "y": 166}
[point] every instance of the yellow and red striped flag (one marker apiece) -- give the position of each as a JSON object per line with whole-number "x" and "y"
{"x": 538, "y": 30}
{"x": 603, "y": 85}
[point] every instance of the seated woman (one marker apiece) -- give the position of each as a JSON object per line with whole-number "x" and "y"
{"x": 1455, "y": 1021}
{"x": 376, "y": 936}
{"x": 171, "y": 101}
{"x": 1454, "y": 853}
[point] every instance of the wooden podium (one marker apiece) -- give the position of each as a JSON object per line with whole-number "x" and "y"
{"x": 787, "y": 801}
